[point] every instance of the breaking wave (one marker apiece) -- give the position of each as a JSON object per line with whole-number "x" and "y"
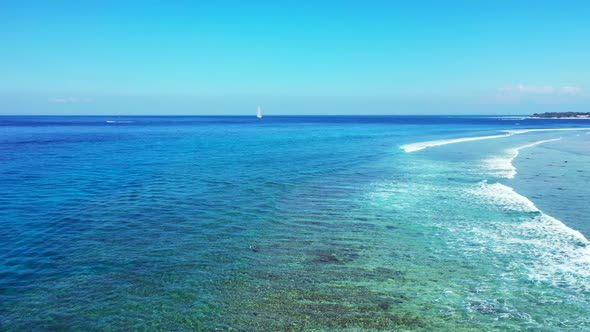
{"x": 556, "y": 253}
{"x": 501, "y": 166}
{"x": 413, "y": 147}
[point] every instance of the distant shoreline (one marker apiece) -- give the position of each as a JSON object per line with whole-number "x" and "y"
{"x": 563, "y": 115}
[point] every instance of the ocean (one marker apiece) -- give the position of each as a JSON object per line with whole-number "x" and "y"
{"x": 330, "y": 223}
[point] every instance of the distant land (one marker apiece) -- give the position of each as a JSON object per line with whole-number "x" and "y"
{"x": 562, "y": 115}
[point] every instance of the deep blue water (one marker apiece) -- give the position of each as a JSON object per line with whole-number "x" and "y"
{"x": 293, "y": 223}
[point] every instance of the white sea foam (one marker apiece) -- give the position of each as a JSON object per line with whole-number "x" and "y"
{"x": 413, "y": 147}
{"x": 502, "y": 166}
{"x": 423, "y": 145}
{"x": 503, "y": 196}
{"x": 118, "y": 121}
{"x": 558, "y": 254}
{"x": 524, "y": 131}
{"x": 511, "y": 118}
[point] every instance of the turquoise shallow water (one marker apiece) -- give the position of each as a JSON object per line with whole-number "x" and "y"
{"x": 293, "y": 223}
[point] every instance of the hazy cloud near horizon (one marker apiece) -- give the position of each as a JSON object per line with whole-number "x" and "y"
{"x": 544, "y": 89}
{"x": 503, "y": 103}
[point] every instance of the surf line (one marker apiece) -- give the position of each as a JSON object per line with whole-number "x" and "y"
{"x": 569, "y": 249}
{"x": 505, "y": 196}
{"x": 506, "y": 163}
{"x": 413, "y": 147}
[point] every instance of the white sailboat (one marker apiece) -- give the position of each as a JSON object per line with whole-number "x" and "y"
{"x": 259, "y": 113}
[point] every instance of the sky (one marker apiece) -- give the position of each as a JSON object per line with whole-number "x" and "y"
{"x": 293, "y": 57}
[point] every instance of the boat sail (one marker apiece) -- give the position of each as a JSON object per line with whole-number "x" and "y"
{"x": 259, "y": 113}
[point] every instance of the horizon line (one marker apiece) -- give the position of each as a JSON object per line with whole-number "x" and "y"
{"x": 272, "y": 115}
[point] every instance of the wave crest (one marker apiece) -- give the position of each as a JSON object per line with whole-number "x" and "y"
{"x": 557, "y": 254}
{"x": 413, "y": 147}
{"x": 502, "y": 166}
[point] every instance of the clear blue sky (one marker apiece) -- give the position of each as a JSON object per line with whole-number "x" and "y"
{"x": 294, "y": 57}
